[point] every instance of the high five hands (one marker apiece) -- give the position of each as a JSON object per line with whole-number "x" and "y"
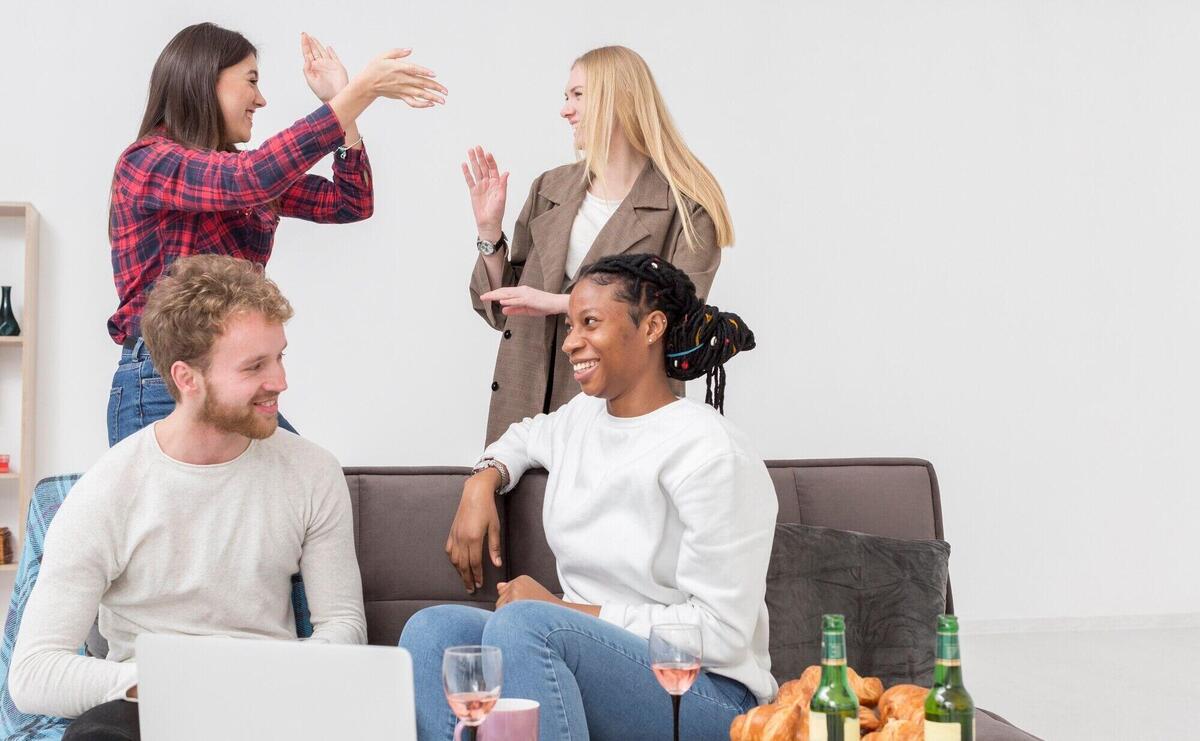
{"x": 384, "y": 76}
{"x": 325, "y": 73}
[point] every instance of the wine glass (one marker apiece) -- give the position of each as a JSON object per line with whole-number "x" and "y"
{"x": 471, "y": 676}
{"x": 675, "y": 652}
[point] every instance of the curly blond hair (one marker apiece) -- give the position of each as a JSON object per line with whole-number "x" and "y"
{"x": 190, "y": 303}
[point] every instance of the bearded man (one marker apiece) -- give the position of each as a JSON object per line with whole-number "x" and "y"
{"x": 195, "y": 524}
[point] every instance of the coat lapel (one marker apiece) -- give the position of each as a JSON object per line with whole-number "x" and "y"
{"x": 551, "y": 231}
{"x": 637, "y": 218}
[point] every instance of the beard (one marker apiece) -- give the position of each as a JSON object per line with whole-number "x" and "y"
{"x": 236, "y": 418}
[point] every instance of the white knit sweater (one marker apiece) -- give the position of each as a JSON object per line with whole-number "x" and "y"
{"x": 160, "y": 546}
{"x": 667, "y": 517}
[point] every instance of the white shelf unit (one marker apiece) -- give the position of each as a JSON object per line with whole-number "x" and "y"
{"x": 22, "y": 464}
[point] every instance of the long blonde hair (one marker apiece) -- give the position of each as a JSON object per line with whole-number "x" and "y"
{"x": 621, "y": 89}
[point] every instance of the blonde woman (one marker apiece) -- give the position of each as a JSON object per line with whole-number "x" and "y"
{"x": 636, "y": 188}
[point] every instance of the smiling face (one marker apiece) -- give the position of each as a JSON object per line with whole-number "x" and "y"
{"x": 612, "y": 355}
{"x": 239, "y": 97}
{"x": 573, "y": 108}
{"x": 245, "y": 377}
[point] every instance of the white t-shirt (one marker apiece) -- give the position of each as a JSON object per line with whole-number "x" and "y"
{"x": 664, "y": 518}
{"x": 593, "y": 214}
{"x": 161, "y": 546}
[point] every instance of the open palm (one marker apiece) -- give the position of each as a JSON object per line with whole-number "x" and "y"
{"x": 325, "y": 73}
{"x": 488, "y": 187}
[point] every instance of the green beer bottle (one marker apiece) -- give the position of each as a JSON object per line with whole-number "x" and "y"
{"x": 833, "y": 711}
{"x": 949, "y": 709}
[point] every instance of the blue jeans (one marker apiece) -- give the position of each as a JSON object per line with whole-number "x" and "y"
{"x": 139, "y": 395}
{"x": 592, "y": 678}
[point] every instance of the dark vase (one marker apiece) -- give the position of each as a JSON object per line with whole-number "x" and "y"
{"x": 8, "y": 322}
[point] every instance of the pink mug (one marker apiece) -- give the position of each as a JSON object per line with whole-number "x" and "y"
{"x": 512, "y": 719}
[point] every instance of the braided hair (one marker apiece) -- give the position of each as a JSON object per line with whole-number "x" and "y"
{"x": 699, "y": 339}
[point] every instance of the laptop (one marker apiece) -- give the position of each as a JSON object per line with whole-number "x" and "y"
{"x": 201, "y": 688}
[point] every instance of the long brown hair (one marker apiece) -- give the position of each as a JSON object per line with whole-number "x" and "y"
{"x": 183, "y": 86}
{"x": 620, "y": 89}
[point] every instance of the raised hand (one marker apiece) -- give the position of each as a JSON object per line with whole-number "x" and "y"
{"x": 325, "y": 73}
{"x": 489, "y": 191}
{"x": 389, "y": 77}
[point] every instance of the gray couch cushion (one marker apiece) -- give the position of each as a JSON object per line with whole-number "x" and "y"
{"x": 401, "y": 519}
{"x": 891, "y": 591}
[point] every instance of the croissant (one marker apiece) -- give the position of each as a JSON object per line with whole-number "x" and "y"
{"x": 867, "y": 689}
{"x": 867, "y": 720}
{"x": 899, "y": 730}
{"x": 902, "y": 702}
{"x": 789, "y": 724}
{"x": 786, "y": 719}
{"x": 800, "y": 690}
{"x": 774, "y": 722}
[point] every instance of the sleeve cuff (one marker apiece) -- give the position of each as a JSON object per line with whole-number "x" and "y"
{"x": 487, "y": 462}
{"x": 481, "y": 285}
{"x": 326, "y": 128}
{"x": 127, "y": 679}
{"x": 354, "y": 159}
{"x": 515, "y": 472}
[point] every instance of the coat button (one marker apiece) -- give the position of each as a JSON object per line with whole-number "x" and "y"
{"x": 507, "y": 334}
{"x": 495, "y": 386}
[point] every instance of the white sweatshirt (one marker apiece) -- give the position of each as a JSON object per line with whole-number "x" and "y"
{"x": 663, "y": 518}
{"x": 160, "y": 546}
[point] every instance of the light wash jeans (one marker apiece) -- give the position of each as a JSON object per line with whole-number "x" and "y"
{"x": 139, "y": 395}
{"x": 592, "y": 678}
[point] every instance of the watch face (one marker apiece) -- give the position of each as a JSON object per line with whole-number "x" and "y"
{"x": 485, "y": 247}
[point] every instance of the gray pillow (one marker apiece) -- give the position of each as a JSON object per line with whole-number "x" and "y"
{"x": 890, "y": 590}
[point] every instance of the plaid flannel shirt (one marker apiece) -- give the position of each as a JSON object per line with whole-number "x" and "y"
{"x": 170, "y": 201}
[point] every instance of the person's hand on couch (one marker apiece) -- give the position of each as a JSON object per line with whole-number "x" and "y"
{"x": 476, "y": 518}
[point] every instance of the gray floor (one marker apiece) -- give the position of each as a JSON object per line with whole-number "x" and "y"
{"x": 1097, "y": 675}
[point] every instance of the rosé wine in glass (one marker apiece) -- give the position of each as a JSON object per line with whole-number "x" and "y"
{"x": 676, "y": 678}
{"x": 471, "y": 676}
{"x": 675, "y": 653}
{"x": 472, "y": 707}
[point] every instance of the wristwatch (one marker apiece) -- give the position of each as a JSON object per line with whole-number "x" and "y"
{"x": 489, "y": 248}
{"x": 502, "y": 469}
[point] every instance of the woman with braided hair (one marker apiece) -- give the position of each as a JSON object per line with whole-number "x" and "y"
{"x": 657, "y": 511}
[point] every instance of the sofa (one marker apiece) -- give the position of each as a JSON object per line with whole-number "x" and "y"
{"x": 402, "y": 517}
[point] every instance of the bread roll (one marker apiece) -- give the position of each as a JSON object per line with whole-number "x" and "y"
{"x": 903, "y": 702}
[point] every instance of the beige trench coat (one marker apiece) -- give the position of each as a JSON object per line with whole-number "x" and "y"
{"x": 532, "y": 374}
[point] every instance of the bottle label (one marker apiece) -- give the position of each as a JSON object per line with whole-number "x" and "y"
{"x": 935, "y": 731}
{"x": 833, "y": 648}
{"x": 947, "y": 647}
{"x": 822, "y": 727}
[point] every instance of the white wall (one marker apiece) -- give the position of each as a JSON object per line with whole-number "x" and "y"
{"x": 966, "y": 231}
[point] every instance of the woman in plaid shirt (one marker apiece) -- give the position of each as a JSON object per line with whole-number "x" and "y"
{"x": 184, "y": 188}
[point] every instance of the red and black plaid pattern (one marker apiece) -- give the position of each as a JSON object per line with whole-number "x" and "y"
{"x": 169, "y": 201}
